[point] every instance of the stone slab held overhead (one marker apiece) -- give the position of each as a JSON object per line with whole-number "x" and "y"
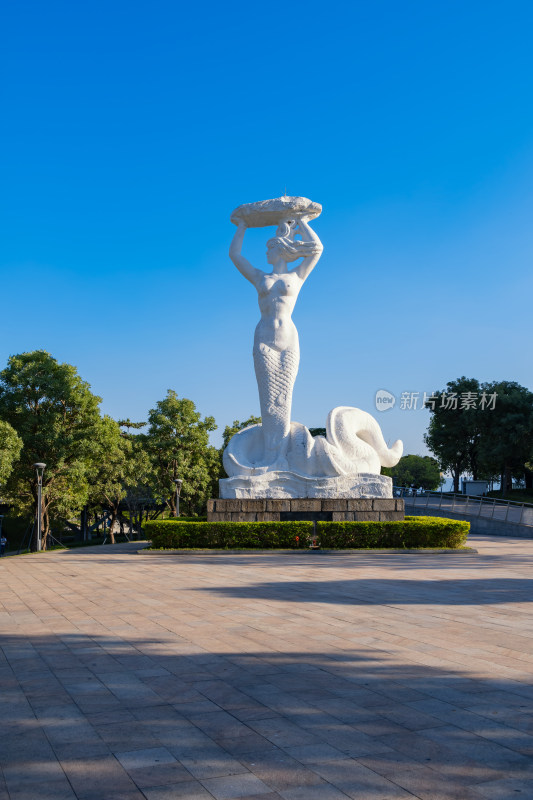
{"x": 272, "y": 212}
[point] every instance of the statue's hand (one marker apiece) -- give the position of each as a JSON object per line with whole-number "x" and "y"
{"x": 292, "y": 223}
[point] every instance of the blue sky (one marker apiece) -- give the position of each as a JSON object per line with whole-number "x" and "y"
{"x": 131, "y": 130}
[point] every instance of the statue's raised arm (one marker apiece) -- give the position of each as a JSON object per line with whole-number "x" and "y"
{"x": 250, "y": 272}
{"x": 312, "y": 244}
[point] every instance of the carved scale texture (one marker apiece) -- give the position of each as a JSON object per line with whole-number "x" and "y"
{"x": 276, "y": 373}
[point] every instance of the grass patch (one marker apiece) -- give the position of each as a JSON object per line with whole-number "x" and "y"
{"x": 516, "y": 495}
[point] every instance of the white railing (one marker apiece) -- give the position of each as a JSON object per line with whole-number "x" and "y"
{"x": 470, "y": 505}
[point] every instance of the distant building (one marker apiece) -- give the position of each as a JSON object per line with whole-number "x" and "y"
{"x": 475, "y": 487}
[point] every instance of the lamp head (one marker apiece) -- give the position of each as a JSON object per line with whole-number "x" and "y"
{"x": 39, "y": 468}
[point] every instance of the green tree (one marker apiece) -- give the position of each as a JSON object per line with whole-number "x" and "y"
{"x": 127, "y": 423}
{"x": 178, "y": 445}
{"x": 422, "y": 471}
{"x": 10, "y": 447}
{"x": 454, "y": 430}
{"x": 318, "y": 431}
{"x": 507, "y": 431}
{"x": 139, "y": 481}
{"x": 216, "y": 471}
{"x": 56, "y": 416}
{"x": 111, "y": 470}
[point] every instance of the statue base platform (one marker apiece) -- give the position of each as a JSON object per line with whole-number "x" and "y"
{"x": 278, "y": 485}
{"x": 291, "y": 509}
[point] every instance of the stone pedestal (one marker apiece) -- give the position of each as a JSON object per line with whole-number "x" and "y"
{"x": 286, "y": 484}
{"x": 376, "y": 509}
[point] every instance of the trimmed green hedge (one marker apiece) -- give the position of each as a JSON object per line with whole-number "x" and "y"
{"x": 227, "y": 535}
{"x": 409, "y": 533}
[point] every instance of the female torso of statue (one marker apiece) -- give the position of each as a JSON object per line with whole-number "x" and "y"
{"x": 276, "y": 349}
{"x": 277, "y": 295}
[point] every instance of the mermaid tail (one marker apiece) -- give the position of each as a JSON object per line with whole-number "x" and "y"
{"x": 357, "y": 435}
{"x": 276, "y": 373}
{"x": 353, "y": 445}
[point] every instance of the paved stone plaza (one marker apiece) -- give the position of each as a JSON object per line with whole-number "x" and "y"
{"x": 297, "y": 676}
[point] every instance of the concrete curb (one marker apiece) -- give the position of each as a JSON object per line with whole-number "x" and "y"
{"x": 363, "y": 551}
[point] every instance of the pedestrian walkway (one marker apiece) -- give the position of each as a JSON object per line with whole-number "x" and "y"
{"x": 264, "y": 676}
{"x": 497, "y": 511}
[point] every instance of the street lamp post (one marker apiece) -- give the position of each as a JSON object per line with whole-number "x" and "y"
{"x": 178, "y": 483}
{"x": 39, "y": 469}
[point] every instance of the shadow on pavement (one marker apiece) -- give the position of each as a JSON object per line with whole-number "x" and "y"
{"x": 100, "y": 717}
{"x": 386, "y": 591}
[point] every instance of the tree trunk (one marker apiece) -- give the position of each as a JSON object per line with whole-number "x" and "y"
{"x": 45, "y": 530}
{"x": 528, "y": 475}
{"x": 508, "y": 479}
{"x": 83, "y": 523}
{"x": 456, "y": 476}
{"x": 111, "y": 531}
{"x": 33, "y": 540}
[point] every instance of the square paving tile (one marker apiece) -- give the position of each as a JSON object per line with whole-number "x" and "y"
{"x": 235, "y": 786}
{"x": 150, "y": 757}
{"x": 191, "y": 790}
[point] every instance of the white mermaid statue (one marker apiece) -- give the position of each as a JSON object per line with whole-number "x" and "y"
{"x": 280, "y": 458}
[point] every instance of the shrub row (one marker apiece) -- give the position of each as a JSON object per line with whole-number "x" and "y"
{"x": 265, "y": 535}
{"x": 408, "y": 533}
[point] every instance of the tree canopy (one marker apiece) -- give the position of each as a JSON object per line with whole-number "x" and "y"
{"x": 112, "y": 470}
{"x": 177, "y": 443}
{"x": 506, "y": 444}
{"x": 49, "y": 414}
{"x": 10, "y": 447}
{"x": 482, "y": 429}
{"x": 420, "y": 471}
{"x": 57, "y": 418}
{"x": 454, "y": 432}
